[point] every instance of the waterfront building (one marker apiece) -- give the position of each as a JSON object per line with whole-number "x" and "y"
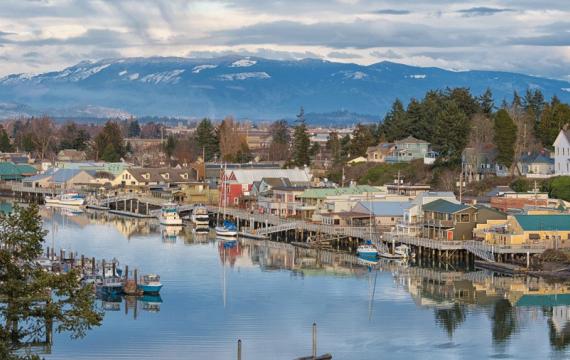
{"x": 281, "y": 200}
{"x": 141, "y": 178}
{"x": 114, "y": 168}
{"x": 60, "y": 179}
{"x": 444, "y": 220}
{"x": 510, "y": 200}
{"x": 412, "y": 221}
{"x": 319, "y": 201}
{"x": 15, "y": 172}
{"x": 239, "y": 182}
{"x": 551, "y": 230}
{"x": 385, "y": 214}
{"x": 562, "y": 152}
{"x": 408, "y": 190}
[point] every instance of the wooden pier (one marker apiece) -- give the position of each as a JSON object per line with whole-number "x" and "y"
{"x": 266, "y": 226}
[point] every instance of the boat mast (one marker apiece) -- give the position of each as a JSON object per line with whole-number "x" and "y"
{"x": 370, "y": 217}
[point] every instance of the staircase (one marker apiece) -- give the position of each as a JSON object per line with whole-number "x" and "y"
{"x": 277, "y": 228}
{"x": 480, "y": 250}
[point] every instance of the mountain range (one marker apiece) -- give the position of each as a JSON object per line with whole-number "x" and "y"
{"x": 245, "y": 87}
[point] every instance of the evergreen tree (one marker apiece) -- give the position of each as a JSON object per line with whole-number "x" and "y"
{"x": 486, "y": 102}
{"x": 301, "y": 141}
{"x": 72, "y": 137}
{"x": 505, "y": 137}
{"x": 553, "y": 117}
{"x": 333, "y": 146}
{"x": 464, "y": 100}
{"x": 109, "y": 143}
{"x": 169, "y": 146}
{"x": 134, "y": 129}
{"x": 345, "y": 147}
{"x": 206, "y": 139}
{"x": 35, "y": 302}
{"x": 451, "y": 132}
{"x": 395, "y": 122}
{"x": 534, "y": 103}
{"x": 362, "y": 138}
{"x": 5, "y": 145}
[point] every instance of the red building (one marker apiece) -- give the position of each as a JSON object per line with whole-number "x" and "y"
{"x": 236, "y": 184}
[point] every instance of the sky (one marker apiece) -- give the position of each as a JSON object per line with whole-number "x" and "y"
{"x": 527, "y": 36}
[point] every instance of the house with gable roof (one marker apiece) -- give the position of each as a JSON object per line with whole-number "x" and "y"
{"x": 562, "y": 153}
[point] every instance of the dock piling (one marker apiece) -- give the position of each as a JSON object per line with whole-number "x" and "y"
{"x": 239, "y": 350}
{"x": 314, "y": 340}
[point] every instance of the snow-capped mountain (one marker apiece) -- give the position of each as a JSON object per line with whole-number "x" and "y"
{"x": 245, "y": 87}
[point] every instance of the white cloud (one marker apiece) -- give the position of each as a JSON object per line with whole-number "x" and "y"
{"x": 525, "y": 36}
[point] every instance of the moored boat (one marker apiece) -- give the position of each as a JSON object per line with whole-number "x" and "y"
{"x": 367, "y": 250}
{"x": 200, "y": 216}
{"x": 68, "y": 199}
{"x": 227, "y": 230}
{"x": 169, "y": 215}
{"x": 150, "y": 284}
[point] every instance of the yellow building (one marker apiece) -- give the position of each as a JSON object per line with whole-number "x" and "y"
{"x": 552, "y": 230}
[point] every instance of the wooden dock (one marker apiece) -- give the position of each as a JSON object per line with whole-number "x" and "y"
{"x": 266, "y": 226}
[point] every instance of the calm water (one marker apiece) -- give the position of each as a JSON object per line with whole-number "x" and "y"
{"x": 269, "y": 295}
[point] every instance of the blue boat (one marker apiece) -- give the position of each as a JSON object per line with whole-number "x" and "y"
{"x": 150, "y": 284}
{"x": 227, "y": 230}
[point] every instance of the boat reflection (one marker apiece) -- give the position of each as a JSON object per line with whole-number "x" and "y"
{"x": 118, "y": 302}
{"x": 169, "y": 234}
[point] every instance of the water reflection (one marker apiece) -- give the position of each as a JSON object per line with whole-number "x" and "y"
{"x": 129, "y": 304}
{"x": 365, "y": 308}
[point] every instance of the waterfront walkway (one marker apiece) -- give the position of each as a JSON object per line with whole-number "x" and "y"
{"x": 266, "y": 224}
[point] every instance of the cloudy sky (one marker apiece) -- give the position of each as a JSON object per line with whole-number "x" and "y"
{"x": 528, "y": 36}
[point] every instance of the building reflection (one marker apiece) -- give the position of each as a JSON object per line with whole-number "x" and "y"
{"x": 510, "y": 303}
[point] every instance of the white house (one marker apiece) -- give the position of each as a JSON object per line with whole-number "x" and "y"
{"x": 562, "y": 152}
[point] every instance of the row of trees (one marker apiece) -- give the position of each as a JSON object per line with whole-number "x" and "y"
{"x": 454, "y": 119}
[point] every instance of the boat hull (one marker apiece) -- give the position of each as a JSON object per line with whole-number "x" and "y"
{"x": 225, "y": 233}
{"x": 71, "y": 202}
{"x": 150, "y": 288}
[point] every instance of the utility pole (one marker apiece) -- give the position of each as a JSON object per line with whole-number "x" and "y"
{"x": 461, "y": 184}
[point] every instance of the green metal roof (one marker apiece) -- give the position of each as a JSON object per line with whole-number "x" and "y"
{"x": 444, "y": 206}
{"x": 544, "y": 300}
{"x": 11, "y": 171}
{"x": 323, "y": 193}
{"x": 544, "y": 222}
{"x": 27, "y": 169}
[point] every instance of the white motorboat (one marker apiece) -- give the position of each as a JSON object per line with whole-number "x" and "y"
{"x": 169, "y": 215}
{"x": 403, "y": 250}
{"x": 200, "y": 216}
{"x": 398, "y": 253}
{"x": 69, "y": 199}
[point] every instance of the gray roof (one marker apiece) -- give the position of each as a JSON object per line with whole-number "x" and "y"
{"x": 383, "y": 208}
{"x": 58, "y": 175}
